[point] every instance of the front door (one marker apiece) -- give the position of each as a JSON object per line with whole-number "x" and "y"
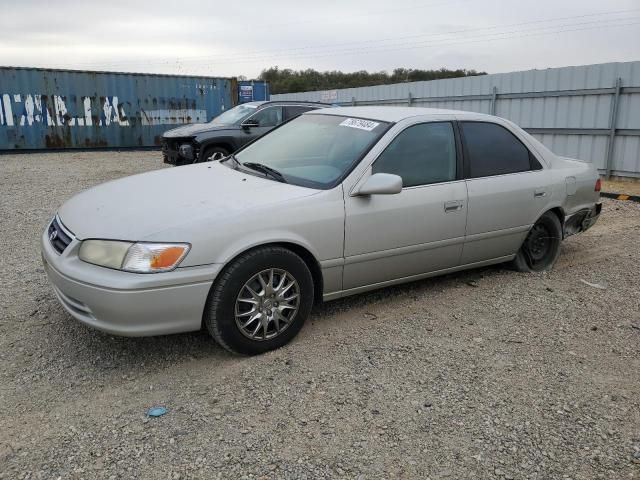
{"x": 265, "y": 119}
{"x": 421, "y": 229}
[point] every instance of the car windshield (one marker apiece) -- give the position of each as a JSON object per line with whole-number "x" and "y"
{"x": 314, "y": 150}
{"x": 235, "y": 115}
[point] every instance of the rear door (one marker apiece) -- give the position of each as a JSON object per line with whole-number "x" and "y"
{"x": 507, "y": 189}
{"x": 419, "y": 230}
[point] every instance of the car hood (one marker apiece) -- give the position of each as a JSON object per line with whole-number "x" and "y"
{"x": 143, "y": 206}
{"x": 194, "y": 129}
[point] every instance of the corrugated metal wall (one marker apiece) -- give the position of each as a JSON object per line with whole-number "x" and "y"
{"x": 575, "y": 111}
{"x": 71, "y": 109}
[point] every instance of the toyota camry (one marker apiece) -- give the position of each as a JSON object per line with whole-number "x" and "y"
{"x": 332, "y": 203}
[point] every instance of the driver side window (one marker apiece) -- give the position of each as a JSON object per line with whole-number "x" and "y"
{"x": 268, "y": 117}
{"x": 421, "y": 154}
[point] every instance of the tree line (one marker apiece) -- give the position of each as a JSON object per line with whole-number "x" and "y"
{"x": 291, "y": 81}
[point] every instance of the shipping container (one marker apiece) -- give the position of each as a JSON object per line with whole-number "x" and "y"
{"x": 252, "y": 91}
{"x": 57, "y": 109}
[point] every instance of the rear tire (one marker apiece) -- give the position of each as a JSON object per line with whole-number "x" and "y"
{"x": 260, "y": 301}
{"x": 209, "y": 152}
{"x": 541, "y": 248}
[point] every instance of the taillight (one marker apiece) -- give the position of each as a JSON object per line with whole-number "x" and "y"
{"x": 598, "y": 185}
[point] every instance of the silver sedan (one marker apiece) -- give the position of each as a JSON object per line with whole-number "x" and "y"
{"x": 332, "y": 203}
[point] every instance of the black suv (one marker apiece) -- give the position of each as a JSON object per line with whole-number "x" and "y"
{"x": 229, "y": 131}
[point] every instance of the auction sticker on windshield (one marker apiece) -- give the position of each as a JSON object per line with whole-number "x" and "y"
{"x": 367, "y": 125}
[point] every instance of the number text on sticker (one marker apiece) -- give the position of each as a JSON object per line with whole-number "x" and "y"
{"x": 367, "y": 125}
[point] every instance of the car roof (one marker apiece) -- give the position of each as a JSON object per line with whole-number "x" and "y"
{"x": 392, "y": 114}
{"x": 289, "y": 102}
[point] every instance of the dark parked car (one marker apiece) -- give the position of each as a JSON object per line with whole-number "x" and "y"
{"x": 229, "y": 131}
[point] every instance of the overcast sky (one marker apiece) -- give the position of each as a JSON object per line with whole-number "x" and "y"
{"x": 242, "y": 37}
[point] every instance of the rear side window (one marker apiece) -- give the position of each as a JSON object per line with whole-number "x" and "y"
{"x": 494, "y": 150}
{"x": 292, "y": 112}
{"x": 421, "y": 154}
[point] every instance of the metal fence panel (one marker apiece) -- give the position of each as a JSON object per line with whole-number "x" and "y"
{"x": 42, "y": 108}
{"x": 629, "y": 111}
{"x": 590, "y": 112}
{"x": 627, "y": 148}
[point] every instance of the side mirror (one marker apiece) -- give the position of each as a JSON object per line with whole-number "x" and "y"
{"x": 381, "y": 184}
{"x": 250, "y": 123}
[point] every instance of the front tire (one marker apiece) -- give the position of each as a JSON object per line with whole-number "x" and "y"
{"x": 260, "y": 301}
{"x": 541, "y": 248}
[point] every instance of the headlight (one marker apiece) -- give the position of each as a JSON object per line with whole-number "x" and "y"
{"x": 186, "y": 151}
{"x": 104, "y": 253}
{"x": 133, "y": 257}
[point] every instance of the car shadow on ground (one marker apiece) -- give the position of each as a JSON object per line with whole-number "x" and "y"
{"x": 99, "y": 352}
{"x": 414, "y": 289}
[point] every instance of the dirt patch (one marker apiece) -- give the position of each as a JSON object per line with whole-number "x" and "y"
{"x": 620, "y": 186}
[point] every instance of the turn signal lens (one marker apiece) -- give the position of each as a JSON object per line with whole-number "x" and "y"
{"x": 598, "y": 185}
{"x": 167, "y": 258}
{"x": 154, "y": 257}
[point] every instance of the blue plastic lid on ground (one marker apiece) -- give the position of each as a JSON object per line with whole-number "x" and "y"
{"x": 156, "y": 411}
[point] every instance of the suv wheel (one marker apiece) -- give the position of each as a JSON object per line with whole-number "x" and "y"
{"x": 216, "y": 152}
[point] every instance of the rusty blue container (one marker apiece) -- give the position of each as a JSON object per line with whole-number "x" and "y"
{"x": 59, "y": 109}
{"x": 252, "y": 91}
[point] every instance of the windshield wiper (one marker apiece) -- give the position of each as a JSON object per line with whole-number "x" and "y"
{"x": 272, "y": 172}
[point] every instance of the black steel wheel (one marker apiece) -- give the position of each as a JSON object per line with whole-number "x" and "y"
{"x": 541, "y": 248}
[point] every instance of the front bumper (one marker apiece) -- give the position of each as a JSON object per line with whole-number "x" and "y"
{"x": 128, "y": 304}
{"x": 171, "y": 157}
{"x": 171, "y": 151}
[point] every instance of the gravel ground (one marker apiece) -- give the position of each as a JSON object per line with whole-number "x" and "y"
{"x": 483, "y": 374}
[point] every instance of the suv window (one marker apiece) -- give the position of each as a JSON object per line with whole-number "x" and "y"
{"x": 268, "y": 117}
{"x": 421, "y": 154}
{"x": 491, "y": 149}
{"x": 294, "y": 111}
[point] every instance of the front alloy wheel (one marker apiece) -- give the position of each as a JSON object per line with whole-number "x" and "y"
{"x": 267, "y": 304}
{"x": 260, "y": 301}
{"x": 211, "y": 154}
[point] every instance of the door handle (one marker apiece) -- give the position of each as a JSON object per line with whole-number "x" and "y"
{"x": 539, "y": 193}
{"x": 452, "y": 206}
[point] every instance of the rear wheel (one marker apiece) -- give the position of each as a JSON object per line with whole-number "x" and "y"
{"x": 260, "y": 301}
{"x": 541, "y": 248}
{"x": 213, "y": 153}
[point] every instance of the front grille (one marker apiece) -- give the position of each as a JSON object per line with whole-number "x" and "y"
{"x": 58, "y": 236}
{"x": 172, "y": 145}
